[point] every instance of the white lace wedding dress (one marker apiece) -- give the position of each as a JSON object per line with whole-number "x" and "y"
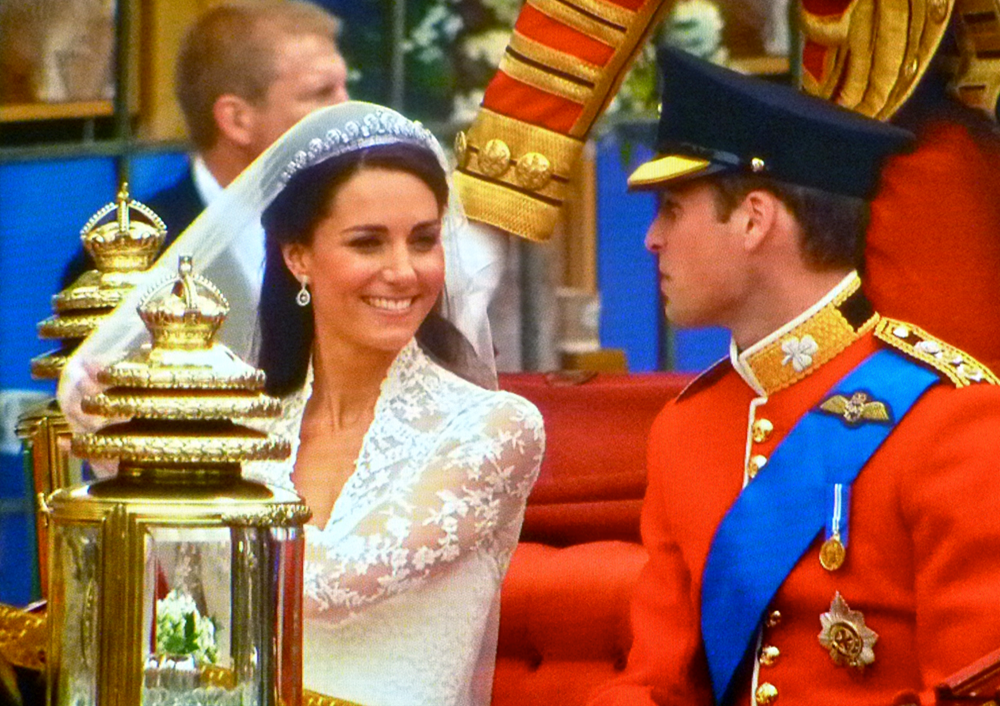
{"x": 408, "y": 568}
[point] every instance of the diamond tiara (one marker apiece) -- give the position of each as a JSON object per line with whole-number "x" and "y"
{"x": 378, "y": 128}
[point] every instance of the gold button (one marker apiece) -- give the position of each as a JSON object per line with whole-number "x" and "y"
{"x": 494, "y": 159}
{"x": 766, "y": 694}
{"x": 461, "y": 149}
{"x": 762, "y": 429}
{"x": 939, "y": 10}
{"x": 533, "y": 171}
{"x": 774, "y": 618}
{"x": 756, "y": 463}
{"x": 769, "y": 655}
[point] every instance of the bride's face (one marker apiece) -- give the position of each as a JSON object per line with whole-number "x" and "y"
{"x": 375, "y": 264}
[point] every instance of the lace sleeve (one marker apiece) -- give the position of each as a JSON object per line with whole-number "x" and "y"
{"x": 475, "y": 482}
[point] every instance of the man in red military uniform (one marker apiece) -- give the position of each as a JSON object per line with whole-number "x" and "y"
{"x": 823, "y": 508}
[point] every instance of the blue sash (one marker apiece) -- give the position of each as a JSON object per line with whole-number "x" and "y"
{"x": 778, "y": 515}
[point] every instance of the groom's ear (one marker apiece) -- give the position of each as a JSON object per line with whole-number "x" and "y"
{"x": 296, "y": 259}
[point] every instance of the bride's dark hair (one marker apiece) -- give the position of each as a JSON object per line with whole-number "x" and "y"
{"x": 285, "y": 328}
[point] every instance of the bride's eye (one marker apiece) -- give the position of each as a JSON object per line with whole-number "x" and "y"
{"x": 424, "y": 239}
{"x": 365, "y": 242}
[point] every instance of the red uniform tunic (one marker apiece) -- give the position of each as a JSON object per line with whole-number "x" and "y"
{"x": 933, "y": 246}
{"x": 923, "y": 558}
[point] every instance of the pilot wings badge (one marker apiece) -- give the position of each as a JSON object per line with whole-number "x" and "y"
{"x": 857, "y": 409}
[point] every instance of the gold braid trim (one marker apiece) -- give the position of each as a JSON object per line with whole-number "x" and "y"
{"x": 933, "y": 19}
{"x": 544, "y": 81}
{"x": 553, "y": 58}
{"x": 23, "y": 637}
{"x": 574, "y": 18}
{"x": 561, "y": 150}
{"x": 508, "y": 210}
{"x": 892, "y": 18}
{"x": 958, "y": 366}
{"x": 829, "y": 329}
{"x": 607, "y": 11}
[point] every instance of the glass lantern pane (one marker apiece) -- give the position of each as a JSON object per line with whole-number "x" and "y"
{"x": 222, "y": 615}
{"x": 188, "y": 620}
{"x": 74, "y": 600}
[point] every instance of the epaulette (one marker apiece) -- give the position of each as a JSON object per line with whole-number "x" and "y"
{"x": 564, "y": 63}
{"x": 956, "y": 365}
{"x": 705, "y": 378}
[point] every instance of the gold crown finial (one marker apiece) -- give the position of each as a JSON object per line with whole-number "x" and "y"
{"x": 184, "y": 312}
{"x": 181, "y": 378}
{"x": 125, "y": 244}
{"x": 122, "y": 248}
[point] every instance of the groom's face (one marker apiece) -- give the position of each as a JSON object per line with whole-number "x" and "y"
{"x": 699, "y": 256}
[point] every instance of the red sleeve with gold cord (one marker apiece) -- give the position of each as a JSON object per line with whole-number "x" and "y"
{"x": 564, "y": 62}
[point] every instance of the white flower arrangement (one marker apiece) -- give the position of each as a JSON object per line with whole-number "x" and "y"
{"x": 181, "y": 629}
{"x": 436, "y": 29}
{"x": 488, "y": 46}
{"x": 696, "y": 27}
{"x": 692, "y": 25}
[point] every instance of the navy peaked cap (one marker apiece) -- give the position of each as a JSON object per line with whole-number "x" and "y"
{"x": 713, "y": 119}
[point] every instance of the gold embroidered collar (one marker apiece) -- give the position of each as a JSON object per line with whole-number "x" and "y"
{"x": 808, "y": 341}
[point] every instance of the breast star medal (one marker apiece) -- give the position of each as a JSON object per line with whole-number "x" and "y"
{"x": 857, "y": 409}
{"x": 845, "y": 636}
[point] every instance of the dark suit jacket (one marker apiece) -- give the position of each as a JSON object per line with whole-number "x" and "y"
{"x": 178, "y": 205}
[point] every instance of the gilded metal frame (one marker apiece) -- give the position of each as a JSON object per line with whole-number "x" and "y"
{"x": 45, "y": 437}
{"x": 124, "y": 527}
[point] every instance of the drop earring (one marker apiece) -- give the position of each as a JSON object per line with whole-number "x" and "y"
{"x": 303, "y": 297}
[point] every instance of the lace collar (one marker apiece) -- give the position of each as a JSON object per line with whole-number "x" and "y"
{"x": 804, "y": 344}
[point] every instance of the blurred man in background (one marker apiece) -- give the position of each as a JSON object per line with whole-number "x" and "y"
{"x": 246, "y": 72}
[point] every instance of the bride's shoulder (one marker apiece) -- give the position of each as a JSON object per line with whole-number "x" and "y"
{"x": 489, "y": 406}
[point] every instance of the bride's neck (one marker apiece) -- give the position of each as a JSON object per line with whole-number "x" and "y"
{"x": 347, "y": 381}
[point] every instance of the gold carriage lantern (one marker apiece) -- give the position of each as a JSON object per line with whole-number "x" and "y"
{"x": 123, "y": 238}
{"x": 177, "y": 581}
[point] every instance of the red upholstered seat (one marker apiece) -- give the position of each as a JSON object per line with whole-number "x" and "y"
{"x": 564, "y": 622}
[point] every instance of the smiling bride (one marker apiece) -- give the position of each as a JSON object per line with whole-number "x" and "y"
{"x": 416, "y": 476}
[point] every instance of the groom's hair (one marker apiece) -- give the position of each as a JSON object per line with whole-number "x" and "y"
{"x": 285, "y": 329}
